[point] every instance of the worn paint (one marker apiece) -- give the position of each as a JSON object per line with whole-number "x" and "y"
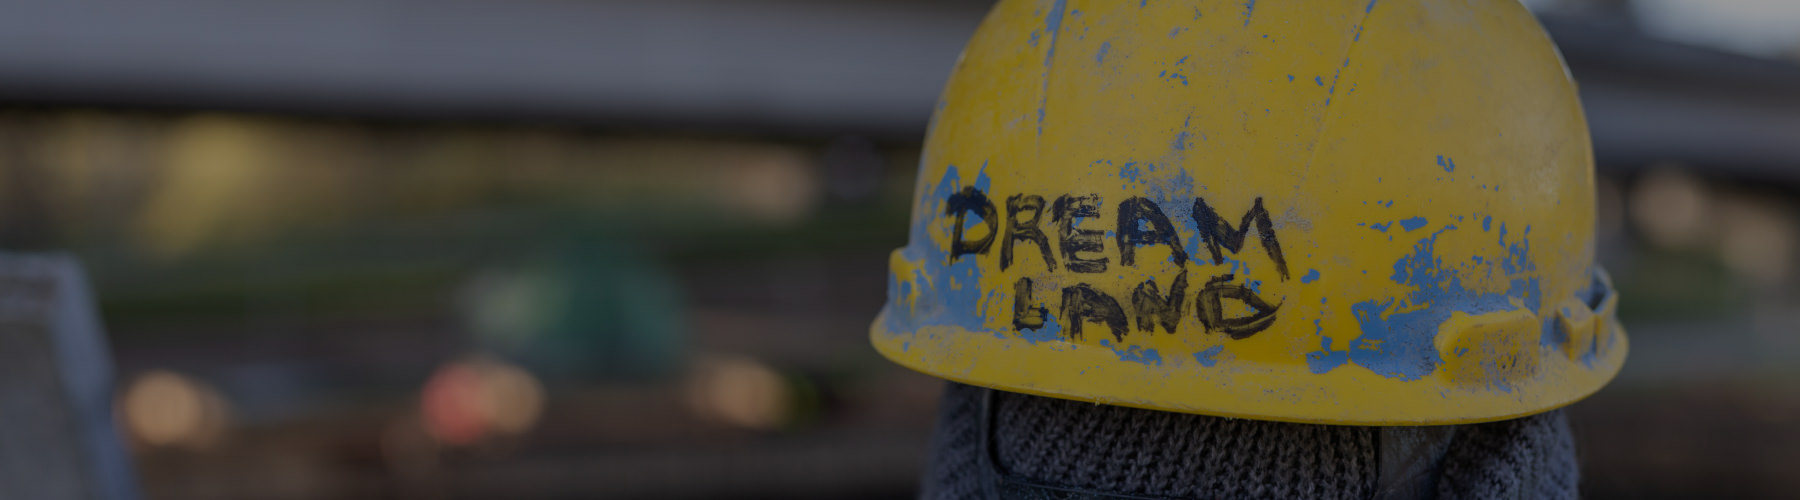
{"x": 1210, "y": 356}
{"x": 1134, "y": 353}
{"x": 1311, "y": 276}
{"x": 938, "y": 280}
{"x": 1412, "y": 224}
{"x": 1053, "y": 25}
{"x": 1175, "y": 188}
{"x": 1398, "y": 333}
{"x": 1051, "y": 332}
{"x": 1325, "y": 359}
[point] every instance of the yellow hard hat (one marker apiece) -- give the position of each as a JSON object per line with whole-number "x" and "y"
{"x": 1359, "y": 213}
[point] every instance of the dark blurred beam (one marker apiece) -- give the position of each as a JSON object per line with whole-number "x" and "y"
{"x": 1650, "y": 101}
{"x": 823, "y": 67}
{"x": 812, "y": 64}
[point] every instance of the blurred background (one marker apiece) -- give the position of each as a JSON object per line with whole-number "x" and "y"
{"x": 576, "y": 248}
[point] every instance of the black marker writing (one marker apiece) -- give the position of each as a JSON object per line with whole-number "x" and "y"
{"x": 1212, "y": 309}
{"x": 1074, "y": 240}
{"x": 1140, "y": 222}
{"x": 1140, "y": 209}
{"x": 959, "y": 205}
{"x": 1025, "y": 230}
{"x": 1153, "y": 309}
{"x": 1026, "y": 314}
{"x": 1219, "y": 233}
{"x": 1082, "y": 303}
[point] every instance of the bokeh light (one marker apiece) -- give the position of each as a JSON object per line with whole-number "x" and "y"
{"x": 166, "y": 409}
{"x": 1671, "y": 207}
{"x": 741, "y": 392}
{"x": 465, "y": 402}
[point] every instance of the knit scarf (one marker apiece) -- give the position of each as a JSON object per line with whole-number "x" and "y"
{"x": 1037, "y": 447}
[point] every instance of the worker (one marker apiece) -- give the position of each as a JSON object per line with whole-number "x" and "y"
{"x": 1186, "y": 249}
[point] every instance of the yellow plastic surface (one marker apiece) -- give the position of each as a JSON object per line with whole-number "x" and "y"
{"x": 1423, "y": 168}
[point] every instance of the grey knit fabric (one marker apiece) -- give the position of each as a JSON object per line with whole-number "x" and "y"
{"x": 951, "y": 472}
{"x": 1531, "y": 457}
{"x": 1131, "y": 451}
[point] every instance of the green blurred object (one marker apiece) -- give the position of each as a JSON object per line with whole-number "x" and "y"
{"x": 1673, "y": 285}
{"x": 586, "y": 307}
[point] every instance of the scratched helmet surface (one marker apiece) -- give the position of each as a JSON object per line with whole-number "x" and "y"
{"x": 1364, "y": 213}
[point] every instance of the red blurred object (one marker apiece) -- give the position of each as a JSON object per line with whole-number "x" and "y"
{"x": 451, "y": 402}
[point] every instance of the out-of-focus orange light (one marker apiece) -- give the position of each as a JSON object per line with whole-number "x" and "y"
{"x": 163, "y": 408}
{"x": 741, "y": 392}
{"x": 1671, "y": 207}
{"x": 467, "y": 401}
